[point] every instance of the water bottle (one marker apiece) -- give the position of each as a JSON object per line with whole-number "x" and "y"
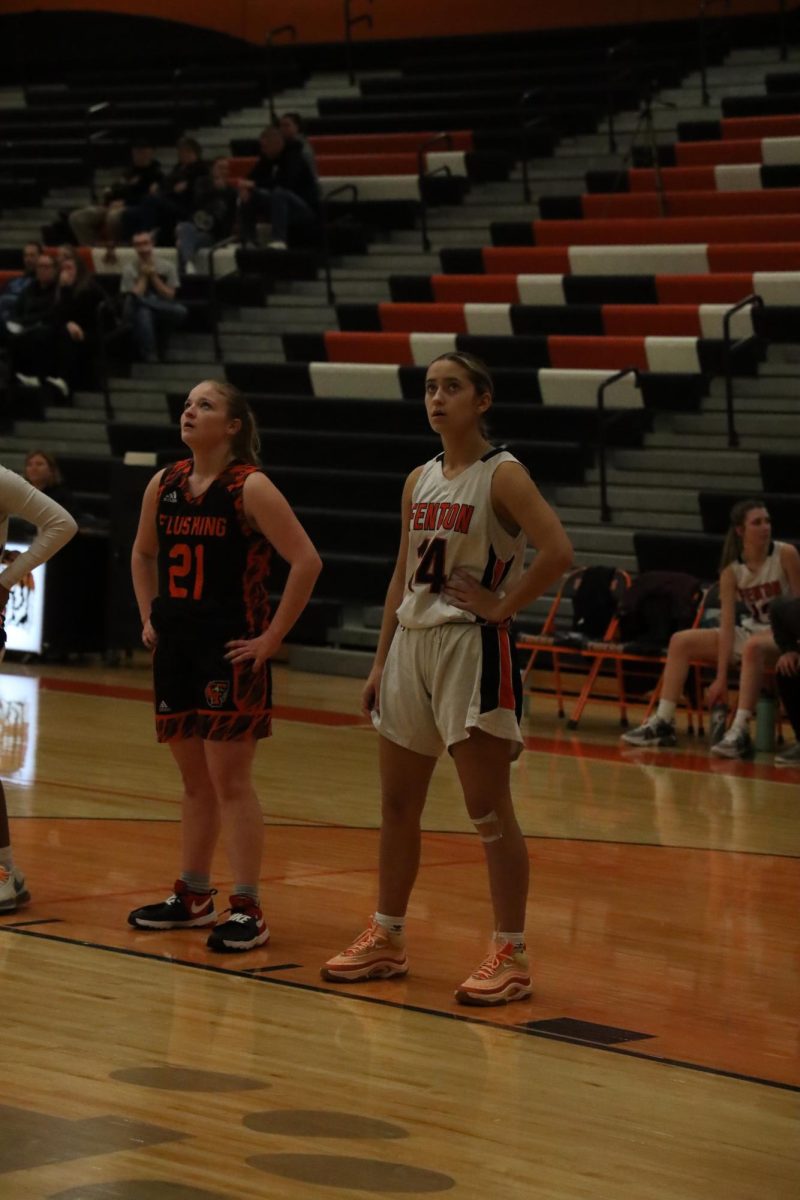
{"x": 719, "y": 723}
{"x": 765, "y": 723}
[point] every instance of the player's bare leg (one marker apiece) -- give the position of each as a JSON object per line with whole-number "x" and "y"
{"x": 405, "y": 778}
{"x": 200, "y": 811}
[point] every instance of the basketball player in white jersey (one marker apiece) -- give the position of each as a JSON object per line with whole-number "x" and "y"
{"x": 444, "y": 675}
{"x": 754, "y": 570}
{"x": 54, "y": 527}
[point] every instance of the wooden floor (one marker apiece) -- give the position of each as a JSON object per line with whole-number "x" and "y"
{"x": 659, "y": 1058}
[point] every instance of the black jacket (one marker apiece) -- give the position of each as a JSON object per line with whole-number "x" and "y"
{"x": 289, "y": 170}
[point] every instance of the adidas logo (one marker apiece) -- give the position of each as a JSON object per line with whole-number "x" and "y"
{"x": 170, "y": 498}
{"x": 164, "y": 707}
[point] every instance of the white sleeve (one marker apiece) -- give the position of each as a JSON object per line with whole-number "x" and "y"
{"x": 54, "y": 525}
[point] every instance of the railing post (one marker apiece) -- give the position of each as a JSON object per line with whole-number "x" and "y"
{"x": 422, "y": 175}
{"x": 268, "y": 45}
{"x": 326, "y": 246}
{"x": 212, "y": 272}
{"x": 705, "y": 99}
{"x": 524, "y": 129}
{"x": 350, "y": 23}
{"x": 751, "y": 301}
{"x": 605, "y": 510}
{"x": 91, "y": 137}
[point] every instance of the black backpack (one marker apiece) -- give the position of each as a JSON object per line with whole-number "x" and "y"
{"x": 594, "y": 601}
{"x": 656, "y": 605}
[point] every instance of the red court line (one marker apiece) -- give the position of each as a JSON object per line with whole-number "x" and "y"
{"x": 677, "y": 759}
{"x": 283, "y": 712}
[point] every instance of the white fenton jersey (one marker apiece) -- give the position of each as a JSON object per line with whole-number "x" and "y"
{"x": 454, "y": 525}
{"x": 757, "y": 589}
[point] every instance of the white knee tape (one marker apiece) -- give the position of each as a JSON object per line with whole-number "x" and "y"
{"x": 494, "y": 830}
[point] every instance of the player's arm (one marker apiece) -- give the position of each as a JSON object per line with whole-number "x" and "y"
{"x": 790, "y": 561}
{"x": 518, "y": 503}
{"x": 54, "y": 527}
{"x": 394, "y": 597}
{"x": 269, "y": 511}
{"x": 144, "y": 560}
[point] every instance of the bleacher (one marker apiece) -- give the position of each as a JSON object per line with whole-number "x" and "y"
{"x": 618, "y": 264}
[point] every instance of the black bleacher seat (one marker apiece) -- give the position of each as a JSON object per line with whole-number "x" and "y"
{"x": 695, "y": 553}
{"x": 780, "y": 472}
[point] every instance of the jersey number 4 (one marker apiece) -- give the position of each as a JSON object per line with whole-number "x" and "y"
{"x": 431, "y": 564}
{"x": 187, "y": 571}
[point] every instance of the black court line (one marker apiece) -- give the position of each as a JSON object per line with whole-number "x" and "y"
{"x": 469, "y": 1018}
{"x": 277, "y": 967}
{"x": 40, "y": 921}
{"x": 459, "y": 833}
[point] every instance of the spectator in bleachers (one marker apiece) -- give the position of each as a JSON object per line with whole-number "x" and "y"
{"x": 754, "y": 571}
{"x": 291, "y": 126}
{"x": 31, "y": 327}
{"x": 784, "y": 616}
{"x": 213, "y": 217}
{"x": 173, "y": 199}
{"x": 149, "y": 285}
{"x": 79, "y": 297}
{"x": 281, "y": 187}
{"x": 15, "y": 287}
{"x": 104, "y": 222}
{"x": 42, "y": 471}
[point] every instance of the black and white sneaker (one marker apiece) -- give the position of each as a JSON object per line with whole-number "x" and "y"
{"x": 184, "y": 909}
{"x": 737, "y": 743}
{"x": 790, "y": 757}
{"x": 654, "y": 732}
{"x": 244, "y": 929}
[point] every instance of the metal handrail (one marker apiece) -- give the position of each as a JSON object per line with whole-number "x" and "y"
{"x": 705, "y": 98}
{"x": 326, "y": 247}
{"x": 91, "y": 137}
{"x": 269, "y": 42}
{"x": 729, "y": 349}
{"x": 105, "y": 306}
{"x": 228, "y": 241}
{"x": 605, "y": 511}
{"x": 783, "y": 13}
{"x": 350, "y": 23}
{"x": 423, "y": 174}
{"x": 524, "y": 129}
{"x": 626, "y": 72}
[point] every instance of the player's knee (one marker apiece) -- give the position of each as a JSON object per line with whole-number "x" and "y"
{"x": 753, "y": 651}
{"x": 489, "y": 827}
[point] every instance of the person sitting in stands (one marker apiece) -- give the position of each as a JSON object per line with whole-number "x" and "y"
{"x": 280, "y": 187}
{"x": 42, "y": 471}
{"x": 213, "y": 218}
{"x": 79, "y": 297}
{"x": 291, "y": 126}
{"x": 31, "y": 330}
{"x": 104, "y": 222}
{"x": 174, "y": 198}
{"x": 15, "y": 287}
{"x": 149, "y": 285}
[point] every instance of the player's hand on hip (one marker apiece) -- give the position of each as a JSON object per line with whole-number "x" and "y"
{"x": 464, "y": 592}
{"x": 255, "y": 650}
{"x": 371, "y": 695}
{"x": 149, "y": 636}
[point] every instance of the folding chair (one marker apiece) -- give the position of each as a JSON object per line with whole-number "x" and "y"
{"x": 554, "y": 641}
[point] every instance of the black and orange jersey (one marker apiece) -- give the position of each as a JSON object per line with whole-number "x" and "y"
{"x": 213, "y": 566}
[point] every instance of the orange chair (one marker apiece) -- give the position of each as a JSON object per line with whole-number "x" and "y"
{"x": 548, "y": 640}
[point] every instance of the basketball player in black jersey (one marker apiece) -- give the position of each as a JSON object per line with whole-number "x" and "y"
{"x": 200, "y": 566}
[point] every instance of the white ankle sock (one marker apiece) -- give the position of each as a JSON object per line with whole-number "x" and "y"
{"x": 517, "y": 939}
{"x": 741, "y": 720}
{"x": 6, "y": 858}
{"x": 666, "y": 710}
{"x": 390, "y": 924}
